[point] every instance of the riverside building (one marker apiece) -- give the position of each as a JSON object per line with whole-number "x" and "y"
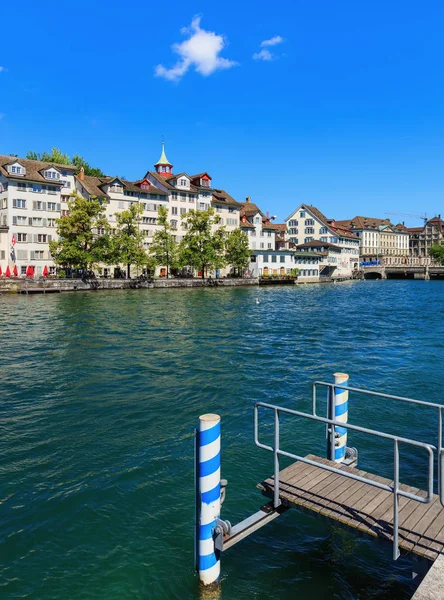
{"x": 307, "y": 224}
{"x": 34, "y": 194}
{"x": 267, "y": 257}
{"x": 379, "y": 239}
{"x": 423, "y": 238}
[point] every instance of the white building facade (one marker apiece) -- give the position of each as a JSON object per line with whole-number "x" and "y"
{"x": 32, "y": 197}
{"x": 307, "y": 224}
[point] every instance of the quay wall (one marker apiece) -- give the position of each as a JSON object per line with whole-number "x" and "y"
{"x": 35, "y": 286}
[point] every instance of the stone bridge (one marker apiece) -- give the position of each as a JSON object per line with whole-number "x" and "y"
{"x": 402, "y": 272}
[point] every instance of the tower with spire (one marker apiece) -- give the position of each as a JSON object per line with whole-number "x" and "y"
{"x": 163, "y": 166}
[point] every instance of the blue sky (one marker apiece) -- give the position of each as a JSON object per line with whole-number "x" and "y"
{"x": 347, "y": 113}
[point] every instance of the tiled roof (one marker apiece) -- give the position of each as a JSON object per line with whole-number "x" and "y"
{"x": 162, "y": 180}
{"x": 249, "y": 209}
{"x": 224, "y": 197}
{"x": 33, "y": 168}
{"x": 318, "y": 244}
{"x": 94, "y": 186}
{"x": 360, "y": 222}
{"x": 247, "y": 225}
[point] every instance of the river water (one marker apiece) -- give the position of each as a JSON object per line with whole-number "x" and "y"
{"x": 100, "y": 394}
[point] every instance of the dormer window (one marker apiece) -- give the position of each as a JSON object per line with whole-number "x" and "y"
{"x": 17, "y": 170}
{"x": 257, "y": 219}
{"x": 52, "y": 175}
{"x": 183, "y": 182}
{"x": 205, "y": 182}
{"x": 116, "y": 188}
{"x": 145, "y": 186}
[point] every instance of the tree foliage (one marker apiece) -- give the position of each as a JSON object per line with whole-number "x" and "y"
{"x": 164, "y": 247}
{"x": 80, "y": 245}
{"x": 202, "y": 247}
{"x": 127, "y": 242}
{"x": 237, "y": 251}
{"x": 437, "y": 253}
{"x": 57, "y": 156}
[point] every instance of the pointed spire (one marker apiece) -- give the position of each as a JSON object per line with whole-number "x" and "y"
{"x": 163, "y": 159}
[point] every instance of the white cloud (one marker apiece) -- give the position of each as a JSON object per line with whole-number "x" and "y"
{"x": 277, "y": 39}
{"x": 2, "y": 69}
{"x": 263, "y": 55}
{"x": 200, "y": 51}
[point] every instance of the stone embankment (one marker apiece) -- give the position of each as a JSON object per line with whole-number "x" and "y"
{"x": 47, "y": 286}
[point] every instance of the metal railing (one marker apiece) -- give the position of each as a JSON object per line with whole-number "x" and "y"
{"x": 332, "y": 423}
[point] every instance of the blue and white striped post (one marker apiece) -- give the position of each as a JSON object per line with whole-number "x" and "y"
{"x": 340, "y": 402}
{"x": 208, "y": 561}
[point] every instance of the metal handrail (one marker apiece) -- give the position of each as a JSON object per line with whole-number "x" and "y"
{"x": 439, "y": 407}
{"x": 395, "y": 489}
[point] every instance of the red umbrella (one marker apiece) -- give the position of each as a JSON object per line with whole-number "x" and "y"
{"x": 15, "y": 271}
{"x": 29, "y": 271}
{"x": 8, "y": 272}
{"x": 45, "y": 271}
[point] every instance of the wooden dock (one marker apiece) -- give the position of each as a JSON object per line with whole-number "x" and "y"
{"x": 361, "y": 506}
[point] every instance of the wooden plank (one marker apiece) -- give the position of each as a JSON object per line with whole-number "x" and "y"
{"x": 362, "y": 506}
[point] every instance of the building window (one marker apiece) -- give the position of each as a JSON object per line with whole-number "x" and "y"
{"x": 183, "y": 197}
{"x": 22, "y": 237}
{"x": 293, "y": 231}
{"x": 309, "y": 221}
{"x": 145, "y": 186}
{"x": 323, "y": 230}
{"x": 274, "y": 258}
{"x": 16, "y": 170}
{"x": 183, "y": 182}
{"x": 282, "y": 259}
{"x": 36, "y": 188}
{"x": 52, "y": 206}
{"x": 174, "y": 223}
{"x": 183, "y": 211}
{"x": 269, "y": 246}
{"x": 309, "y": 229}
{"x": 257, "y": 219}
{"x": 293, "y": 223}
{"x": 302, "y": 214}
{"x": 262, "y": 245}
{"x": 174, "y": 210}
{"x": 174, "y": 196}
{"x": 265, "y": 258}
{"x": 253, "y": 258}
{"x": 19, "y": 203}
{"x": 42, "y": 238}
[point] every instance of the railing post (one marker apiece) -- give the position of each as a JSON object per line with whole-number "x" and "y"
{"x": 340, "y": 399}
{"x": 208, "y": 497}
{"x": 276, "y": 500}
{"x": 396, "y": 501}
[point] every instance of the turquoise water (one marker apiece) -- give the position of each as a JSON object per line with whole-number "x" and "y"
{"x": 100, "y": 395}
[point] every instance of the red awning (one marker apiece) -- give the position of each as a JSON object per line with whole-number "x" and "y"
{"x": 8, "y": 272}
{"x": 15, "y": 271}
{"x": 45, "y": 271}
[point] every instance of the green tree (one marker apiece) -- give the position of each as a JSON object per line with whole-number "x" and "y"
{"x": 164, "y": 247}
{"x": 437, "y": 253}
{"x": 237, "y": 252}
{"x": 83, "y": 235}
{"x": 57, "y": 156}
{"x": 127, "y": 242}
{"x": 202, "y": 247}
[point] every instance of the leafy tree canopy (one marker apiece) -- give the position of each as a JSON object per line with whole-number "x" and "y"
{"x": 164, "y": 247}
{"x": 57, "y": 156}
{"x": 437, "y": 253}
{"x": 79, "y": 244}
{"x": 203, "y": 246}
{"x": 237, "y": 251}
{"x": 127, "y": 242}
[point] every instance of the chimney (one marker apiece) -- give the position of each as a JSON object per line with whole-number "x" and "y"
{"x": 247, "y": 199}
{"x": 81, "y": 175}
